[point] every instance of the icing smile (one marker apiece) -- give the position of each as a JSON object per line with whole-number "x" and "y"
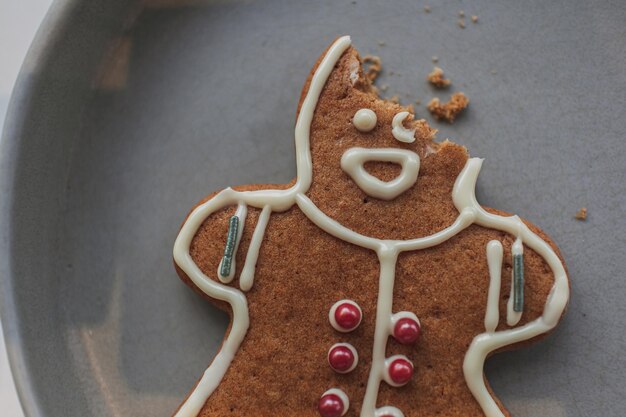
{"x": 354, "y": 159}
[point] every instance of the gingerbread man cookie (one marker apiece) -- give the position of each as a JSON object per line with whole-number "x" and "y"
{"x": 372, "y": 285}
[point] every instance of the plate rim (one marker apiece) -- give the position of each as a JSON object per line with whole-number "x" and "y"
{"x": 20, "y": 105}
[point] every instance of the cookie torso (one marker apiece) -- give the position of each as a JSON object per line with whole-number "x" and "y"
{"x": 281, "y": 367}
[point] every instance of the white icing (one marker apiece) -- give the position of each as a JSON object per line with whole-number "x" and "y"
{"x": 388, "y": 362}
{"x": 342, "y": 396}
{"x": 387, "y": 258}
{"x": 333, "y": 322}
{"x": 242, "y": 211}
{"x": 494, "y": 261}
{"x": 388, "y": 411}
{"x": 338, "y": 230}
{"x": 246, "y": 278}
{"x": 513, "y": 317}
{"x": 470, "y": 212}
{"x": 364, "y": 120}
{"x": 400, "y": 132}
{"x": 354, "y": 159}
{"x": 354, "y": 353}
{"x": 518, "y": 247}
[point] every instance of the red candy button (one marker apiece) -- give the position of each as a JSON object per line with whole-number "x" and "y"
{"x": 345, "y": 315}
{"x": 406, "y": 331}
{"x": 400, "y": 370}
{"x": 342, "y": 358}
{"x": 330, "y": 405}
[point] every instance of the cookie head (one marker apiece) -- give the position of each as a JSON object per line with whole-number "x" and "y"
{"x": 376, "y": 167}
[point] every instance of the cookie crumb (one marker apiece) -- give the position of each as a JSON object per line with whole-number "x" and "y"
{"x": 418, "y": 102}
{"x": 461, "y": 23}
{"x": 435, "y": 59}
{"x": 436, "y": 78}
{"x": 427, "y": 9}
{"x": 450, "y": 110}
{"x": 411, "y": 108}
{"x": 395, "y": 99}
{"x": 582, "y": 214}
{"x": 374, "y": 66}
{"x": 474, "y": 19}
{"x": 384, "y": 87}
{"x": 461, "y": 13}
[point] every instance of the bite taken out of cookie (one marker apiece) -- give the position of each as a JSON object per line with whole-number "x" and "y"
{"x": 373, "y": 284}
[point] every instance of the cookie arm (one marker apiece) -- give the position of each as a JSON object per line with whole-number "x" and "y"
{"x": 216, "y": 290}
{"x": 224, "y": 240}
{"x": 486, "y": 343}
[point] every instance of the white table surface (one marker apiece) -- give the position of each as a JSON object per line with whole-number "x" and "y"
{"x": 19, "y": 20}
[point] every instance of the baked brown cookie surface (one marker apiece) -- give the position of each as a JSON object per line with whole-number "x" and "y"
{"x": 373, "y": 284}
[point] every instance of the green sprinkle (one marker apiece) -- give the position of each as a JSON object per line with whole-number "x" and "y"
{"x": 518, "y": 283}
{"x": 229, "y": 250}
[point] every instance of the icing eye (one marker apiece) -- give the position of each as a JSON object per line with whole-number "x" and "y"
{"x": 364, "y": 120}
{"x": 400, "y": 132}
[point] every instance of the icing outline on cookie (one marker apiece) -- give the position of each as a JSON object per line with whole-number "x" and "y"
{"x": 495, "y": 252}
{"x": 470, "y": 212}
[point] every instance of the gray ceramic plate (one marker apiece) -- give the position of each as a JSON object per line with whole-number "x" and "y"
{"x": 126, "y": 115}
